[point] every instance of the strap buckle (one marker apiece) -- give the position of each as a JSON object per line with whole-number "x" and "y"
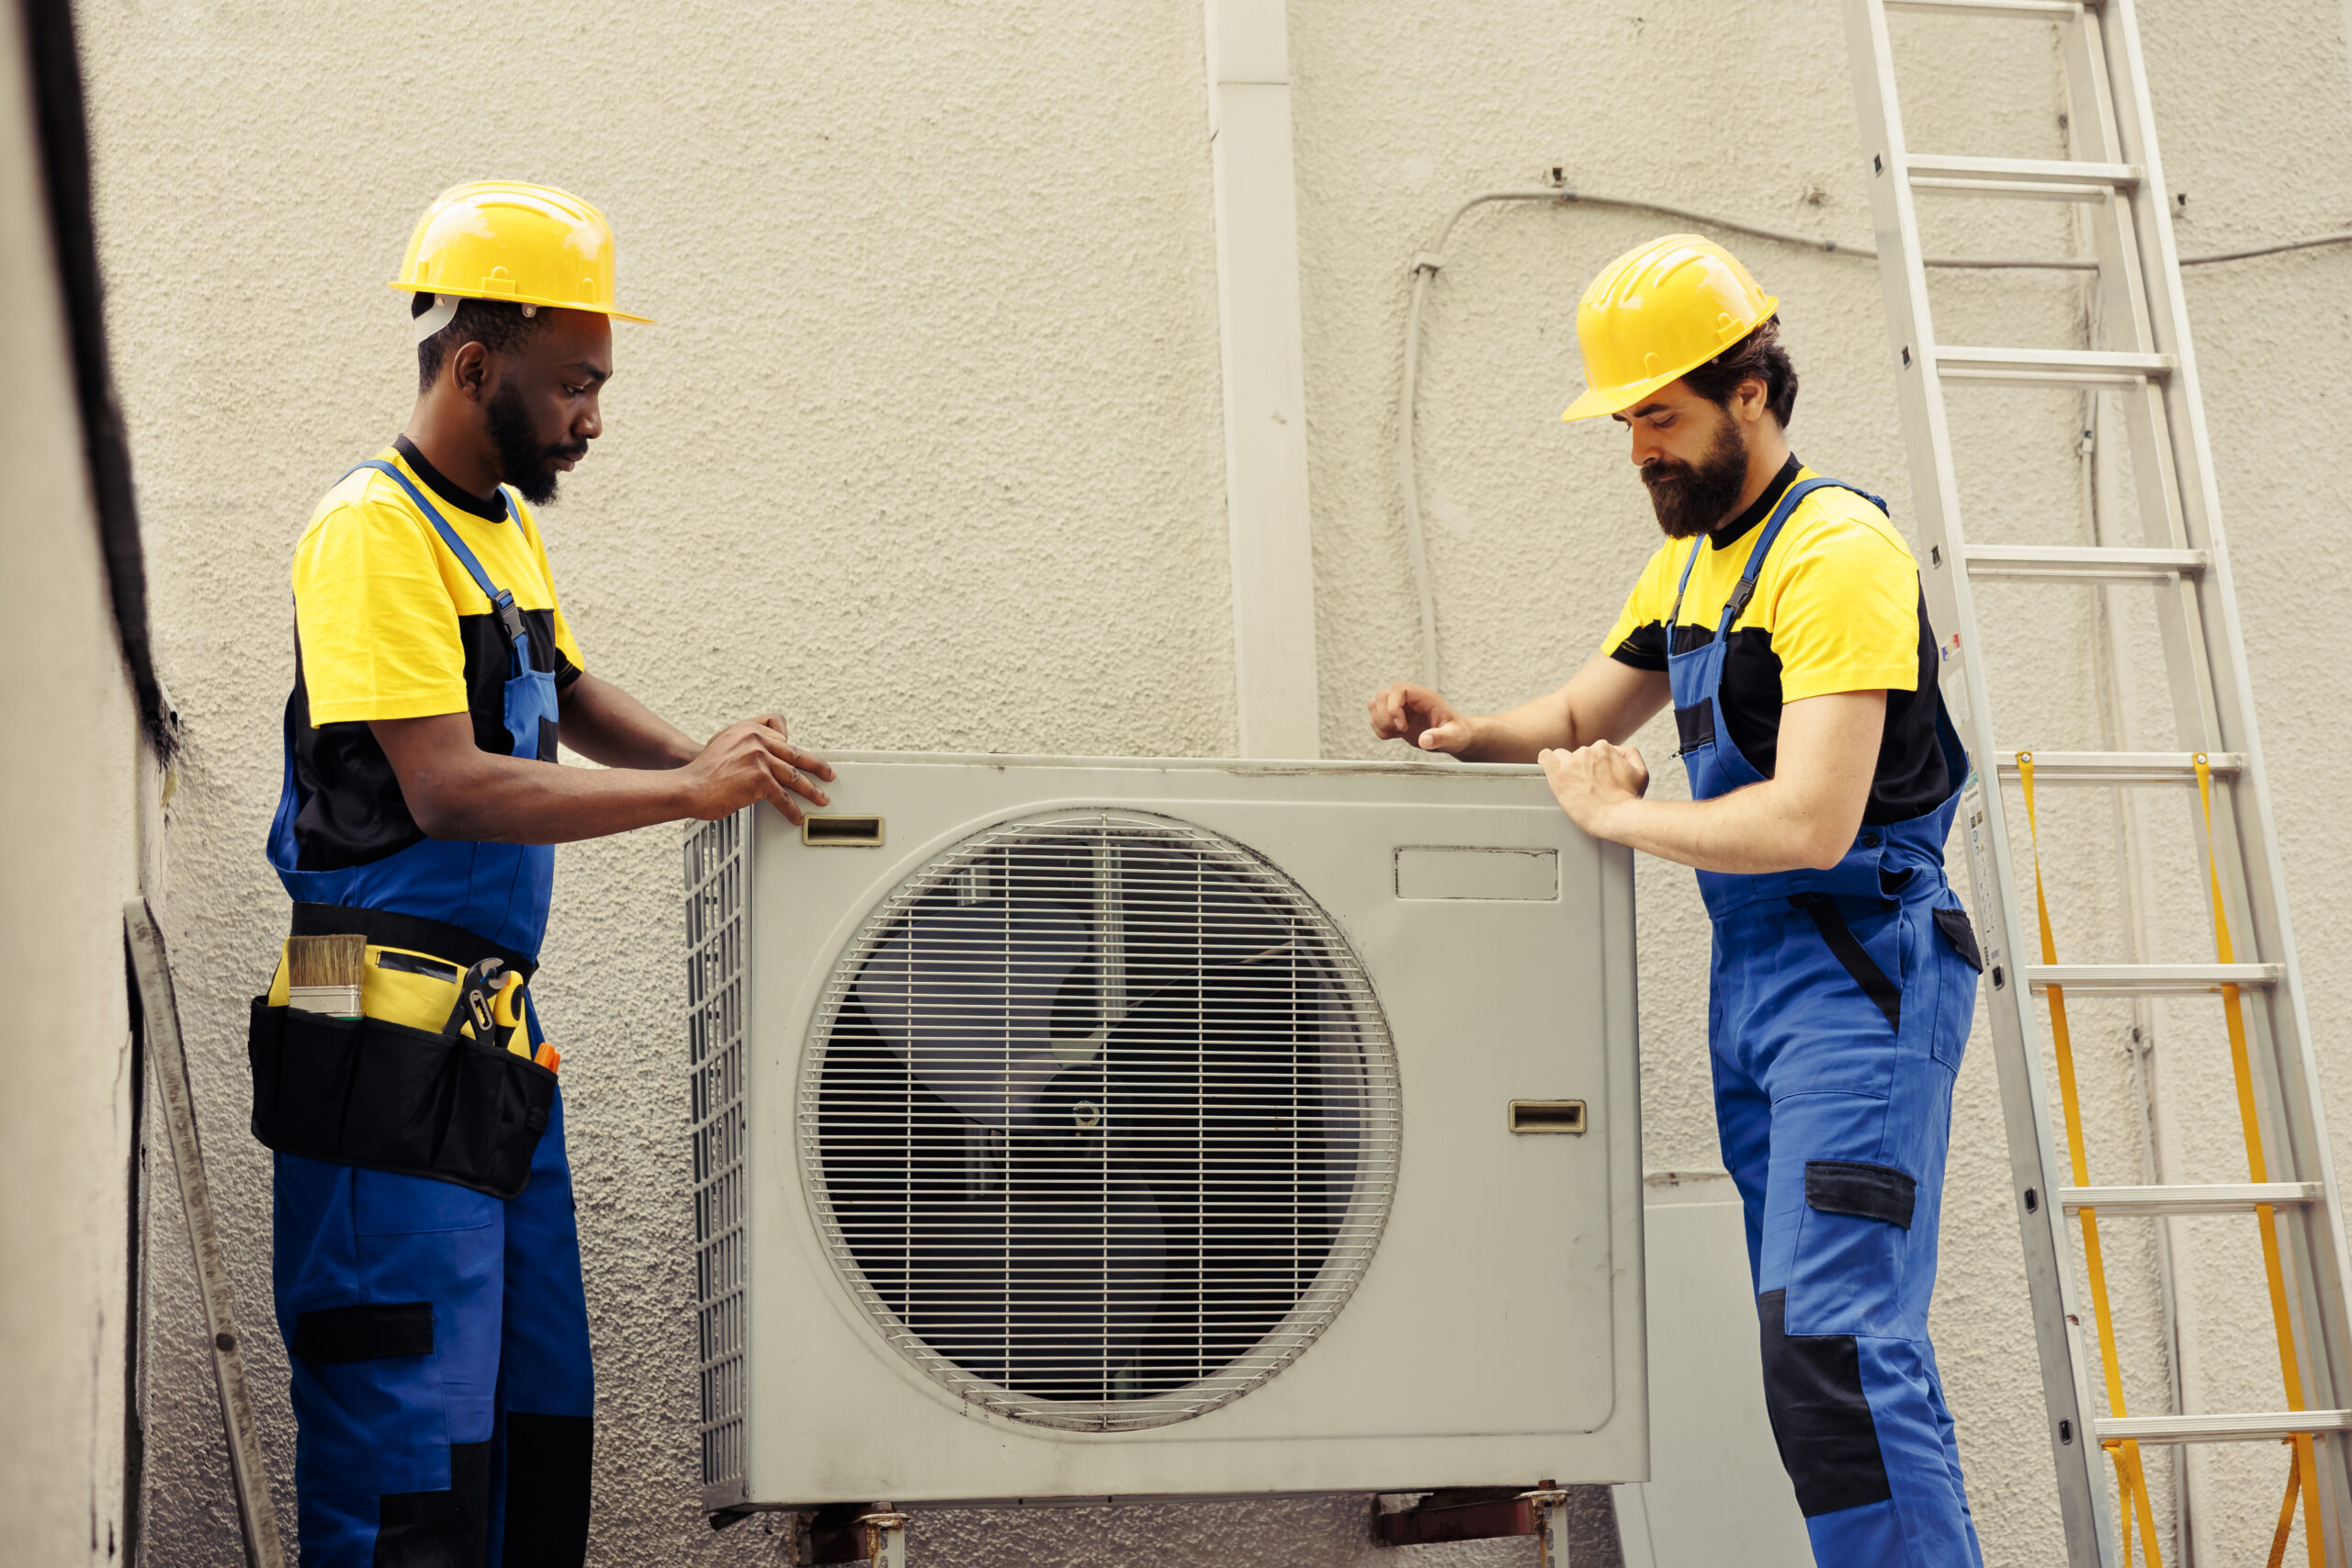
{"x": 509, "y": 619}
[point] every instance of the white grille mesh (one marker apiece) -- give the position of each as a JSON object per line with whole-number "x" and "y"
{"x": 715, "y": 944}
{"x": 1099, "y": 1120}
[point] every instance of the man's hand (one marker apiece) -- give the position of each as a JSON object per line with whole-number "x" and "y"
{"x": 753, "y": 760}
{"x": 1593, "y": 781}
{"x": 1419, "y": 717}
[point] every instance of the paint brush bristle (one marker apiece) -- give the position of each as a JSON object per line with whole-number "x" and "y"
{"x": 325, "y": 960}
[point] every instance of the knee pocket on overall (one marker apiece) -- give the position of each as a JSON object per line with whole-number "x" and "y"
{"x": 1847, "y": 1269}
{"x": 1820, "y": 1415}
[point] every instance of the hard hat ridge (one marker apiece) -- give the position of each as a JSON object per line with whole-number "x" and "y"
{"x": 1657, "y": 313}
{"x": 526, "y": 244}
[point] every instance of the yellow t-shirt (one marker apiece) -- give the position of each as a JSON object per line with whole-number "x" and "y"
{"x": 1837, "y": 608}
{"x": 389, "y": 623}
{"x": 379, "y": 598}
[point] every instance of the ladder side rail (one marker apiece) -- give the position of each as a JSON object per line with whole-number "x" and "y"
{"x": 2087, "y": 1524}
{"x": 2119, "y": 295}
{"x": 2246, "y": 829}
{"x": 2127, "y": 320}
{"x": 2192, "y": 656}
{"x": 2249, "y": 844}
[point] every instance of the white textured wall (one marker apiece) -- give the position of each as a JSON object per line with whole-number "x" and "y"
{"x": 926, "y": 450}
{"x": 70, "y": 765}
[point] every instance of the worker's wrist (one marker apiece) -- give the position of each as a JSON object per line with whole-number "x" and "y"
{"x": 674, "y": 791}
{"x": 1618, "y": 820}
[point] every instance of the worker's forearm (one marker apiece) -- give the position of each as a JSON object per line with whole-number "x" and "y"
{"x": 516, "y": 800}
{"x": 605, "y": 723}
{"x": 1517, "y": 736}
{"x": 1758, "y": 828}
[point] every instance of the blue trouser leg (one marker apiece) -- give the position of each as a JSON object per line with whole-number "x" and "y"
{"x": 547, "y": 1396}
{"x": 438, "y": 1341}
{"x": 387, "y": 1295}
{"x": 1837, "y": 1030}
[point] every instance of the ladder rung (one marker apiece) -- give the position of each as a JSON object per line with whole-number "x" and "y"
{"x": 2121, "y": 767}
{"x": 2267, "y": 1427}
{"x": 2084, "y": 563}
{"x": 2219, "y": 1198}
{"x": 2149, "y": 979}
{"x": 2031, "y": 177}
{"x": 2036, "y": 10}
{"x": 2050, "y": 367}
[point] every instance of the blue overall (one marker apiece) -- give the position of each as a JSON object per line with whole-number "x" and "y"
{"x": 437, "y": 1336}
{"x": 1839, "y": 1004}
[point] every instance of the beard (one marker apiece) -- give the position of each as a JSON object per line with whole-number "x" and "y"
{"x": 524, "y": 460}
{"x": 1690, "y": 500}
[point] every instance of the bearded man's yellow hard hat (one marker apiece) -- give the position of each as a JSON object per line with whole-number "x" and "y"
{"x": 1656, "y": 314}
{"x": 505, "y": 239}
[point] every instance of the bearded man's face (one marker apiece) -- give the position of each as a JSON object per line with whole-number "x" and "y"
{"x": 1691, "y": 496}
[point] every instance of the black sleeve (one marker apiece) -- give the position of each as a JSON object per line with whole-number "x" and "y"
{"x": 1643, "y": 648}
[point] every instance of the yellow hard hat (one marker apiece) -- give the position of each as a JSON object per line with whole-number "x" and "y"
{"x": 507, "y": 240}
{"x": 1659, "y": 312}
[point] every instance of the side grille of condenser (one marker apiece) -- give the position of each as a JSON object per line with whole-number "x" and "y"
{"x": 717, "y": 921}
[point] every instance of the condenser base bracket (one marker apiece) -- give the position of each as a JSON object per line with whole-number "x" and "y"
{"x": 837, "y": 1535}
{"x": 1476, "y": 1513}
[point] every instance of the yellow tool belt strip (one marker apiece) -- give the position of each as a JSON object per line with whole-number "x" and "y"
{"x": 401, "y": 986}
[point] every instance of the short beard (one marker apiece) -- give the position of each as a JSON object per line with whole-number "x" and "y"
{"x": 1691, "y": 500}
{"x": 523, "y": 462}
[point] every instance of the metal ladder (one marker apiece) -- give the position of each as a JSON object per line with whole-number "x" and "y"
{"x": 2141, "y": 356}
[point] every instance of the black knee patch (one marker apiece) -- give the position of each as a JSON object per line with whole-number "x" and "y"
{"x": 439, "y": 1529}
{"x": 365, "y": 1332}
{"x": 1813, "y": 1390}
{"x": 548, "y": 1461}
{"x": 1867, "y": 1191}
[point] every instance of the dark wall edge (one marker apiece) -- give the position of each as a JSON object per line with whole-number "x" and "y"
{"x": 53, "y": 60}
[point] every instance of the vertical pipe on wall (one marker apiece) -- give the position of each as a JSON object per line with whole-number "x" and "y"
{"x": 1265, "y": 391}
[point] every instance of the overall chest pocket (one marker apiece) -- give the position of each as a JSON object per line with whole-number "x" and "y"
{"x": 1695, "y": 726}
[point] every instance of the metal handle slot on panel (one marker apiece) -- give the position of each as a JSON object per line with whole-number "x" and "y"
{"x": 863, "y": 832}
{"x": 1547, "y": 1116}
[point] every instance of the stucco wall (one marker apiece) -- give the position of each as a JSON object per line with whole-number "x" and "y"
{"x": 71, "y": 802}
{"x": 925, "y": 450}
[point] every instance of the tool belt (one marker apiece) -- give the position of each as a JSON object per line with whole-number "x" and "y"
{"x": 413, "y": 1084}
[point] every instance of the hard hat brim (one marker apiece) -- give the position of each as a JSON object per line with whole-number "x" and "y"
{"x": 1597, "y": 401}
{"x": 523, "y": 300}
{"x": 1600, "y": 401}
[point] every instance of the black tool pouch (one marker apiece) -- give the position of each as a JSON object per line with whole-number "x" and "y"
{"x": 368, "y": 1092}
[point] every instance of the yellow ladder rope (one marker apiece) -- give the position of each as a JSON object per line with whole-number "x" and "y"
{"x": 2132, "y": 1481}
{"x": 2286, "y": 1512}
{"x": 2257, "y": 1169}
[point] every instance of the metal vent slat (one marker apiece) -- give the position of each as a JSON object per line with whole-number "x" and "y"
{"x": 1099, "y": 1118}
{"x": 715, "y": 985}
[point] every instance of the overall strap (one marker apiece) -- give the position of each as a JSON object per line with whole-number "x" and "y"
{"x": 501, "y": 602}
{"x": 1746, "y": 589}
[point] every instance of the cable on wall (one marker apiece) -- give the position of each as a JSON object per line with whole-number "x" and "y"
{"x": 1427, "y": 265}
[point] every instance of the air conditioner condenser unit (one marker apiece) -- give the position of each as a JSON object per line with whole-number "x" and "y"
{"x": 1072, "y": 1128}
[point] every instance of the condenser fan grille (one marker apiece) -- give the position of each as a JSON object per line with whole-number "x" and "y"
{"x": 1100, "y": 1117}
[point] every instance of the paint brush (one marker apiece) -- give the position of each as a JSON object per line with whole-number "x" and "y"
{"x": 323, "y": 974}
